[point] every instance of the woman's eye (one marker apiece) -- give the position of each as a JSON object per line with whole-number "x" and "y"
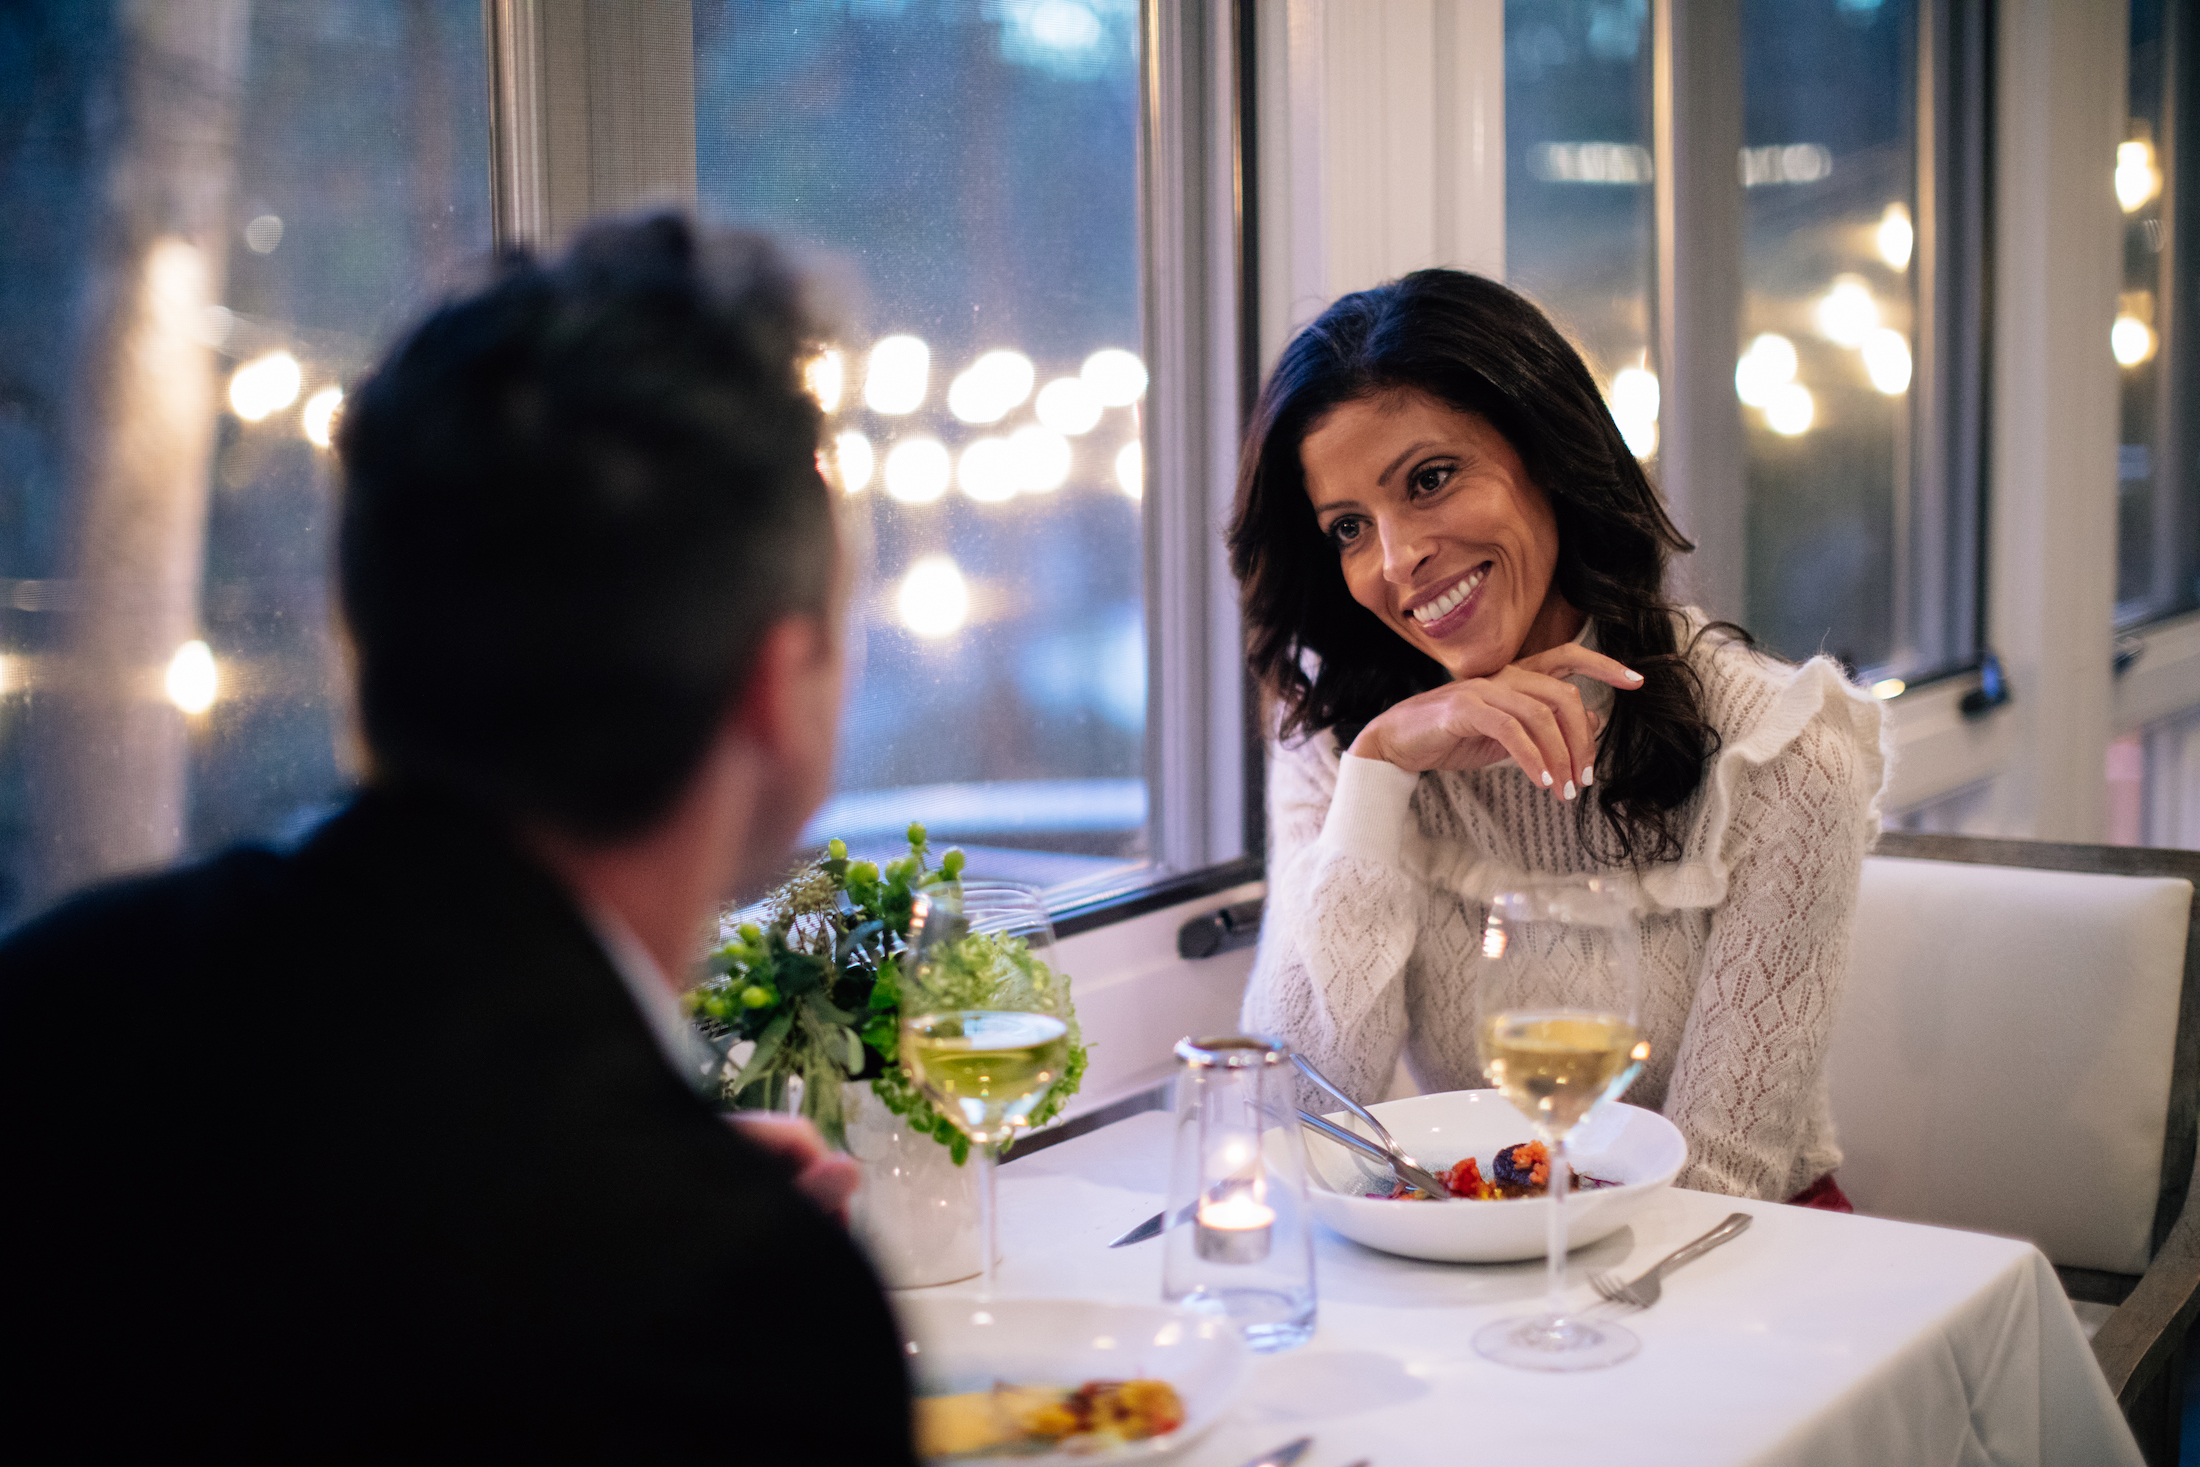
{"x": 1344, "y": 531}
{"x": 1429, "y": 478}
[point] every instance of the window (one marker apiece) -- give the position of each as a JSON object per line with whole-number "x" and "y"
{"x": 2158, "y": 484}
{"x": 1828, "y": 321}
{"x": 1578, "y": 203}
{"x": 1851, "y": 441}
{"x": 969, "y": 176}
{"x": 267, "y": 207}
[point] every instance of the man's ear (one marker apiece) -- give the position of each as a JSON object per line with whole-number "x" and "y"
{"x": 778, "y": 708}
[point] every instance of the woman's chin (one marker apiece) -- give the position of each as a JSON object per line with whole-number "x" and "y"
{"x": 1471, "y": 658}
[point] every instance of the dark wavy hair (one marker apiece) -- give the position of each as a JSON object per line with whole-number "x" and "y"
{"x": 1477, "y": 347}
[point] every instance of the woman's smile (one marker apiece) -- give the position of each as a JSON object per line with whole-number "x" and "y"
{"x": 1438, "y": 530}
{"x": 1448, "y": 609}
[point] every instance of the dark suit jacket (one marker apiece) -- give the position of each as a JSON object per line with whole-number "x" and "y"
{"x": 364, "y": 1150}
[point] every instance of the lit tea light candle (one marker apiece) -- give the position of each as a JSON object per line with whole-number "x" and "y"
{"x": 1235, "y": 1229}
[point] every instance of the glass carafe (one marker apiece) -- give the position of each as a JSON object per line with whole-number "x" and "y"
{"x": 1239, "y": 1240}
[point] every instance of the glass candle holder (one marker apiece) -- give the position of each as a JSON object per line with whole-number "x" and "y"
{"x": 1240, "y": 1243}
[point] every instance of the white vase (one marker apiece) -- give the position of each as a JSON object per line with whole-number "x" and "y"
{"x": 916, "y": 1213}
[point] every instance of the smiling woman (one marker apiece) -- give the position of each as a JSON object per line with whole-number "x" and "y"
{"x": 1454, "y": 583}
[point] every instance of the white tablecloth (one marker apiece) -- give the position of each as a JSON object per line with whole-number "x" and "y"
{"x": 1812, "y": 1338}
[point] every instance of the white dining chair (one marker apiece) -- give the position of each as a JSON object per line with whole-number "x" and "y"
{"x": 2018, "y": 1052}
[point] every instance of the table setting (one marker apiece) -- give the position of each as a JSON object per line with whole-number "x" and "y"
{"x": 1272, "y": 1272}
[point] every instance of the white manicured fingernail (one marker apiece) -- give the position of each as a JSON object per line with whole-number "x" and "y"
{"x": 1546, "y": 779}
{"x": 1588, "y": 775}
{"x": 1569, "y": 789}
{"x": 1634, "y": 674}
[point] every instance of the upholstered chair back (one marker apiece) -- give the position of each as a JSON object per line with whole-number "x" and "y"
{"x": 2005, "y": 1053}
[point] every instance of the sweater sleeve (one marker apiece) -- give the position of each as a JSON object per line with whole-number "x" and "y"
{"x": 1342, "y": 913}
{"x": 1749, "y": 1073}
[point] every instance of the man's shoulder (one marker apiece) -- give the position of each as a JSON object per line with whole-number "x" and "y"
{"x": 145, "y": 920}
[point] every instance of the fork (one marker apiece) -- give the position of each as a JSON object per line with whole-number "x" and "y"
{"x": 1644, "y": 1291}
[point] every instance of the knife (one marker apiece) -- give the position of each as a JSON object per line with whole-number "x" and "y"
{"x": 1151, "y": 1227}
{"x": 1284, "y": 1455}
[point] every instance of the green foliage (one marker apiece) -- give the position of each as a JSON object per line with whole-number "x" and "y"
{"x": 817, "y": 989}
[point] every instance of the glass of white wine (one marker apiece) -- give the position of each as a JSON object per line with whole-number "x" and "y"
{"x": 982, "y": 1033}
{"x": 1558, "y": 988}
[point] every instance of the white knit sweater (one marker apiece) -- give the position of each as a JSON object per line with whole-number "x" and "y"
{"x": 1376, "y": 878}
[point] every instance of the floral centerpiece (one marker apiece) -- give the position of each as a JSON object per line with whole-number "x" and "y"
{"x": 815, "y": 988}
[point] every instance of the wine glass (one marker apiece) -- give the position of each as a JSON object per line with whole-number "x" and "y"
{"x": 1559, "y": 992}
{"x": 982, "y": 1030}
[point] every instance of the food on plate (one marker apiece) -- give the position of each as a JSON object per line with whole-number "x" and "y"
{"x": 1522, "y": 1170}
{"x": 1020, "y": 1419}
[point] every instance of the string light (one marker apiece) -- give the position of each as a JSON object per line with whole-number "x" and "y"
{"x": 264, "y": 385}
{"x": 1848, "y": 313}
{"x": 1130, "y": 469}
{"x": 825, "y": 375}
{"x": 2137, "y": 179}
{"x": 192, "y": 680}
{"x": 318, "y": 417}
{"x": 1068, "y": 406}
{"x": 995, "y": 385}
{"x": 896, "y": 377}
{"x": 1790, "y": 410}
{"x": 1896, "y": 237}
{"x": 917, "y": 470}
{"x": 1768, "y": 365}
{"x": 1635, "y": 409}
{"x": 2132, "y": 340}
{"x": 988, "y": 471}
{"x": 856, "y": 461}
{"x": 934, "y": 600}
{"x": 1116, "y": 377}
{"x": 1887, "y": 361}
{"x": 1042, "y": 459}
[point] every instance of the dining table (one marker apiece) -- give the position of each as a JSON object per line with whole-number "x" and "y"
{"x": 1813, "y": 1338}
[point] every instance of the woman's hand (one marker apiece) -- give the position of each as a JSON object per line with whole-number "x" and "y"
{"x": 1526, "y": 712}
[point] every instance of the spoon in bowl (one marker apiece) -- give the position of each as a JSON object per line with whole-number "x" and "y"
{"x": 1399, "y": 1161}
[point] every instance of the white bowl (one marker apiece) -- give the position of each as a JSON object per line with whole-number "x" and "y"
{"x": 1637, "y": 1148}
{"x": 958, "y": 1344}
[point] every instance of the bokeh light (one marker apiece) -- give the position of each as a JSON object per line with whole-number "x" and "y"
{"x": 1887, "y": 360}
{"x": 1768, "y": 365}
{"x": 826, "y": 376}
{"x": 996, "y": 383}
{"x": 2137, "y": 179}
{"x": 1790, "y": 410}
{"x": 1116, "y": 377}
{"x": 1897, "y": 237}
{"x": 1847, "y": 313}
{"x": 1068, "y": 406}
{"x": 894, "y": 381}
{"x": 318, "y": 418}
{"x": 1635, "y": 409}
{"x": 265, "y": 385}
{"x": 1042, "y": 459}
{"x": 263, "y": 234}
{"x": 193, "y": 680}
{"x": 1130, "y": 469}
{"x": 933, "y": 600}
{"x": 917, "y": 470}
{"x": 856, "y": 462}
{"x": 988, "y": 471}
{"x": 2132, "y": 340}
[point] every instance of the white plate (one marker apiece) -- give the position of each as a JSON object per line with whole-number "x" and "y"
{"x": 1620, "y": 1143}
{"x": 960, "y": 1345}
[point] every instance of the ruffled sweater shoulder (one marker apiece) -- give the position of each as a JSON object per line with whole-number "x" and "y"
{"x": 1377, "y": 877}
